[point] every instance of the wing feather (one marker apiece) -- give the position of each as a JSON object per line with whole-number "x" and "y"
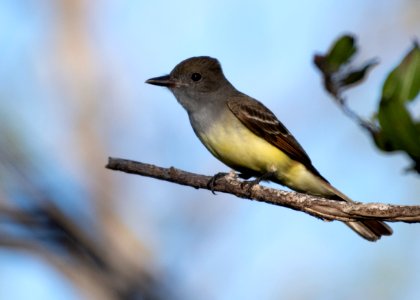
{"x": 263, "y": 123}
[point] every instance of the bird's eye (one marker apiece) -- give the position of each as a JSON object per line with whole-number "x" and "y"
{"x": 195, "y": 76}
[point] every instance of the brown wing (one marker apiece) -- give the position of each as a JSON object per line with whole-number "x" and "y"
{"x": 262, "y": 122}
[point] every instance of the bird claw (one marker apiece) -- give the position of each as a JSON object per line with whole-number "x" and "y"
{"x": 251, "y": 183}
{"x": 212, "y": 181}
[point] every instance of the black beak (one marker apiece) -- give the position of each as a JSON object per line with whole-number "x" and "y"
{"x": 162, "y": 81}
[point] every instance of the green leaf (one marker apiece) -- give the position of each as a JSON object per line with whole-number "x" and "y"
{"x": 403, "y": 83}
{"x": 341, "y": 52}
{"x": 357, "y": 75}
{"x": 335, "y": 66}
{"x": 398, "y": 129}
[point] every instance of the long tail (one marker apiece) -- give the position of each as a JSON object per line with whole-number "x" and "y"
{"x": 371, "y": 230}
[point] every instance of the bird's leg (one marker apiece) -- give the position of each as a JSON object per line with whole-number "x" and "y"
{"x": 213, "y": 180}
{"x": 257, "y": 180}
{"x": 245, "y": 175}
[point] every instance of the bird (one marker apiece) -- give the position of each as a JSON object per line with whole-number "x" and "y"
{"x": 246, "y": 136}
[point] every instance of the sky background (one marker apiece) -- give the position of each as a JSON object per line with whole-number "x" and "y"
{"x": 206, "y": 246}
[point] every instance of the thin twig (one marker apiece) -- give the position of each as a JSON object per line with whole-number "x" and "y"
{"x": 318, "y": 207}
{"x": 371, "y": 127}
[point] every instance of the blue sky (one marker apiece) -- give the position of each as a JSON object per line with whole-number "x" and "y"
{"x": 219, "y": 247}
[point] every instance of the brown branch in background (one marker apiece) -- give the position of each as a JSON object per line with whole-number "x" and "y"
{"x": 371, "y": 127}
{"x": 363, "y": 123}
{"x": 80, "y": 274}
{"x": 318, "y": 207}
{"x": 84, "y": 257}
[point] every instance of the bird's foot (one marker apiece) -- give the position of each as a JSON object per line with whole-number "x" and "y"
{"x": 212, "y": 181}
{"x": 245, "y": 176}
{"x": 251, "y": 183}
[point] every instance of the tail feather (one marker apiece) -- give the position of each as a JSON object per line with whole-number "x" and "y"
{"x": 371, "y": 230}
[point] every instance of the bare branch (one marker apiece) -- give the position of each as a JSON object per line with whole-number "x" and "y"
{"x": 318, "y": 207}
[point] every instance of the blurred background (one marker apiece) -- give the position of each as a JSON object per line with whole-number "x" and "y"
{"x": 72, "y": 94}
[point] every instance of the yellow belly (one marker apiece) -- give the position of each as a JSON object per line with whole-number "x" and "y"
{"x": 239, "y": 148}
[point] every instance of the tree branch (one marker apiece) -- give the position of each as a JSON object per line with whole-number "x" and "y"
{"x": 325, "y": 209}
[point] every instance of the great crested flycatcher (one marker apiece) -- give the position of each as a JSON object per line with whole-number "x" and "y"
{"x": 245, "y": 135}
